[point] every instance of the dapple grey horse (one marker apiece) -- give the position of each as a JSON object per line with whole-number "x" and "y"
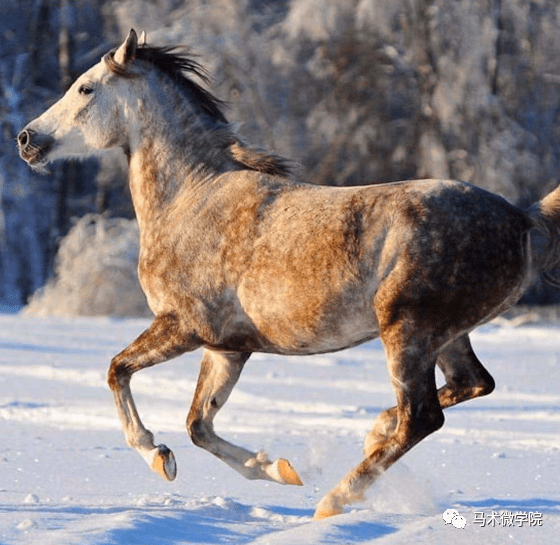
{"x": 238, "y": 256}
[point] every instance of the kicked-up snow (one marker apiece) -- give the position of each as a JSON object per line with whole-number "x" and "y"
{"x": 67, "y": 476}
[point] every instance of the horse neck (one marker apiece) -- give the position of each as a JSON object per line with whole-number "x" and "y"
{"x": 176, "y": 150}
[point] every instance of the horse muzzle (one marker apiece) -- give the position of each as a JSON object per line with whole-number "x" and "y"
{"x": 33, "y": 146}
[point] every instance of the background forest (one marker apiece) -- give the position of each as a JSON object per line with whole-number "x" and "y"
{"x": 356, "y": 91}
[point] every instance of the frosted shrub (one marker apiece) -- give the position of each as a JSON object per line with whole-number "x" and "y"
{"x": 95, "y": 272}
{"x": 318, "y": 19}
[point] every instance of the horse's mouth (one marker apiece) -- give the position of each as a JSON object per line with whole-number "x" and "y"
{"x": 33, "y": 156}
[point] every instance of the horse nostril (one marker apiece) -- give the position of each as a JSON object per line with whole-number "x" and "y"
{"x": 23, "y": 138}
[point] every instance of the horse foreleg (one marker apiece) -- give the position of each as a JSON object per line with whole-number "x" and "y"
{"x": 162, "y": 341}
{"x": 418, "y": 414}
{"x": 466, "y": 378}
{"x": 219, "y": 372}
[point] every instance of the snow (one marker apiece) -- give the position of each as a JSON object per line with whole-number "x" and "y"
{"x": 67, "y": 477}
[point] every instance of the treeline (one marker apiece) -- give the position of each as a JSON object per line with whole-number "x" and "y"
{"x": 356, "y": 91}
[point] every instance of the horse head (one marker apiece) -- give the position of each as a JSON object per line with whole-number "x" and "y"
{"x": 90, "y": 117}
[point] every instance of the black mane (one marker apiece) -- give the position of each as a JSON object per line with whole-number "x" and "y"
{"x": 175, "y": 65}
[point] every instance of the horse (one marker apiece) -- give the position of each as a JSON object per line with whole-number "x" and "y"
{"x": 238, "y": 256}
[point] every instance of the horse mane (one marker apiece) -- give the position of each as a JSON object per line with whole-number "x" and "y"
{"x": 261, "y": 161}
{"x": 177, "y": 65}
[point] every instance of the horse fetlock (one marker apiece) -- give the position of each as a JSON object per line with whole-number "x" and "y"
{"x": 280, "y": 471}
{"x": 162, "y": 461}
{"x": 142, "y": 440}
{"x": 329, "y": 506}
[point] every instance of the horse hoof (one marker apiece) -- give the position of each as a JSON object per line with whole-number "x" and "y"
{"x": 163, "y": 462}
{"x": 327, "y": 510}
{"x": 287, "y": 472}
{"x": 283, "y": 472}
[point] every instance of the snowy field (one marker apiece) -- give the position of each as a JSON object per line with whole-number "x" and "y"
{"x": 67, "y": 477}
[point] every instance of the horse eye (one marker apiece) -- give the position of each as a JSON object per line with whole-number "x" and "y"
{"x": 85, "y": 90}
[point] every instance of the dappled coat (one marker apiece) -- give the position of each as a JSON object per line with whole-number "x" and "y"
{"x": 237, "y": 257}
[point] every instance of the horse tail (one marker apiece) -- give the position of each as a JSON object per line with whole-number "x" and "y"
{"x": 545, "y": 240}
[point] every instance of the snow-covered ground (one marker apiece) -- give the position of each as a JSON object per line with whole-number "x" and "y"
{"x": 67, "y": 477}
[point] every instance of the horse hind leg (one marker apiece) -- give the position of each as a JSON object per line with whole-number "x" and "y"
{"x": 163, "y": 340}
{"x": 219, "y": 372}
{"x": 466, "y": 378}
{"x": 418, "y": 414}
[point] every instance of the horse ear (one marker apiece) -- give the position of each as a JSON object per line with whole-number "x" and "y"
{"x": 142, "y": 39}
{"x": 127, "y": 50}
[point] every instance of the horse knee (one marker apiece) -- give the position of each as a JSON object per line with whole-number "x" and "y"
{"x": 118, "y": 375}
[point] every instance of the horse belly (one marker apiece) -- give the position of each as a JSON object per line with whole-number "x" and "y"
{"x": 308, "y": 323}
{"x": 350, "y": 330}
